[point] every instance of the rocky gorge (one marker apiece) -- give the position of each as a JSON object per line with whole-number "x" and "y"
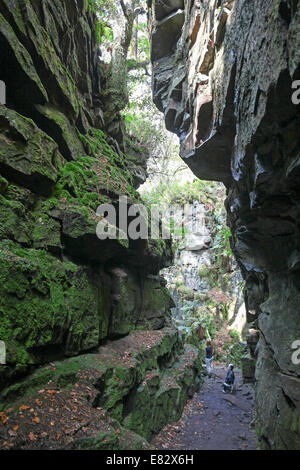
{"x": 67, "y": 298}
{"x": 206, "y": 284}
{"x": 87, "y": 322}
{"x": 224, "y": 75}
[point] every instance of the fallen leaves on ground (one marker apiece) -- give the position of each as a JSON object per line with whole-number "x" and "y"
{"x": 3, "y": 418}
{"x": 24, "y": 407}
{"x": 31, "y": 436}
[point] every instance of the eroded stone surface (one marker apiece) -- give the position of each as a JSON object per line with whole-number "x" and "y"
{"x": 141, "y": 381}
{"x": 59, "y": 160}
{"x": 227, "y": 93}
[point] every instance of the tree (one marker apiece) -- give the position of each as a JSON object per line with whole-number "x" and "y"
{"x": 122, "y": 23}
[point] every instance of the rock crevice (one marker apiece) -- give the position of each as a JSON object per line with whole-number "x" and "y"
{"x": 58, "y": 163}
{"x": 236, "y": 63}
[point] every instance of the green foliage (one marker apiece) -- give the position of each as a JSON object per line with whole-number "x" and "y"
{"x": 221, "y": 245}
{"x": 235, "y": 350}
{"x": 234, "y": 335}
{"x": 92, "y": 5}
{"x": 193, "y": 315}
{"x": 102, "y": 9}
{"x": 209, "y": 273}
{"x": 140, "y": 123}
{"x": 141, "y": 31}
{"x": 181, "y": 193}
{"x": 186, "y": 292}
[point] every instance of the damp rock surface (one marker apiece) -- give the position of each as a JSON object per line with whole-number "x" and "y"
{"x": 226, "y": 88}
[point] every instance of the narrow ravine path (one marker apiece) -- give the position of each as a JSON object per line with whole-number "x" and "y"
{"x": 213, "y": 420}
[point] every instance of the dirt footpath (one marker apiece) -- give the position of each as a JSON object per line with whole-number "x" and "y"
{"x": 213, "y": 420}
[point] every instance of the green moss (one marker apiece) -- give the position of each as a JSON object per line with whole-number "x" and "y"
{"x": 89, "y": 181}
{"x": 161, "y": 398}
{"x": 22, "y": 137}
{"x": 64, "y": 129}
{"x": 185, "y": 292}
{"x": 103, "y": 441}
{"x": 109, "y": 167}
{"x": 58, "y": 72}
{"x": 15, "y": 222}
{"x": 3, "y": 185}
{"x": 114, "y": 437}
{"x": 46, "y": 233}
{"x": 22, "y": 57}
{"x": 209, "y": 274}
{"x": 44, "y": 303}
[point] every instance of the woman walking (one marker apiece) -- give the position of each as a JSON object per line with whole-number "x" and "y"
{"x": 209, "y": 357}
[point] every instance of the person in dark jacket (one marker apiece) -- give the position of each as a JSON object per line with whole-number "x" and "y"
{"x": 229, "y": 381}
{"x": 209, "y": 357}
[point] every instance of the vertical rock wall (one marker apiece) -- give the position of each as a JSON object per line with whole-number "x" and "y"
{"x": 199, "y": 275}
{"x": 223, "y": 73}
{"x": 62, "y": 289}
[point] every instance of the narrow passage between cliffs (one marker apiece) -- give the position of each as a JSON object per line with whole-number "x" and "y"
{"x": 213, "y": 420}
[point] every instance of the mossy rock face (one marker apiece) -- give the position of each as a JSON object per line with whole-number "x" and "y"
{"x": 48, "y": 307}
{"x": 137, "y": 156}
{"x": 47, "y": 233}
{"x": 24, "y": 70}
{"x": 141, "y": 351}
{"x": 27, "y": 155}
{"x": 61, "y": 374}
{"x": 137, "y": 304}
{"x": 57, "y": 165}
{"x": 103, "y": 441}
{"x": 65, "y": 133}
{"x": 127, "y": 300}
{"x": 82, "y": 186}
{"x": 157, "y": 303}
{"x": 58, "y": 80}
{"x": 116, "y": 437}
{"x": 161, "y": 397}
{"x": 106, "y": 172}
{"x": 147, "y": 394}
{"x": 3, "y": 185}
{"x": 142, "y": 381}
{"x": 15, "y": 221}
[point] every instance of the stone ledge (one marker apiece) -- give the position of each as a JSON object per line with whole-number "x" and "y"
{"x": 142, "y": 381}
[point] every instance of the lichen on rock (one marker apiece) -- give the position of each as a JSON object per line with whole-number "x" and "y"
{"x": 225, "y": 86}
